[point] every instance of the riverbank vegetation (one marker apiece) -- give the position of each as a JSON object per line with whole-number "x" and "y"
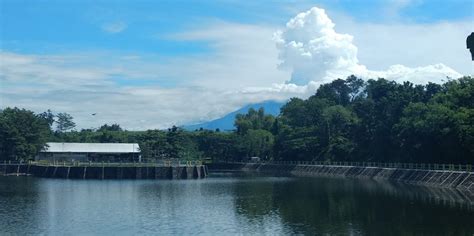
{"x": 345, "y": 120}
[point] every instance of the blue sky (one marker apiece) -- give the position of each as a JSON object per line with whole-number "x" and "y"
{"x": 72, "y": 25}
{"x": 202, "y": 59}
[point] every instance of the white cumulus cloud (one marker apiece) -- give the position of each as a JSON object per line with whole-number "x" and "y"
{"x": 314, "y": 52}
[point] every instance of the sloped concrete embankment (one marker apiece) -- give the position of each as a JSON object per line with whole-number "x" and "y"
{"x": 434, "y": 178}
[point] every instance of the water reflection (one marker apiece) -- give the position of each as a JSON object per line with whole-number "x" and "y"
{"x": 353, "y": 207}
{"x": 229, "y": 204}
{"x": 17, "y": 196}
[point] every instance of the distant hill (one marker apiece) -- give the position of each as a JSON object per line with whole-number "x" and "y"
{"x": 227, "y": 122}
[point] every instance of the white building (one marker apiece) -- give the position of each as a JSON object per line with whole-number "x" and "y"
{"x": 94, "y": 152}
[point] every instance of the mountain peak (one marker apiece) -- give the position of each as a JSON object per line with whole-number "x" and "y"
{"x": 226, "y": 123}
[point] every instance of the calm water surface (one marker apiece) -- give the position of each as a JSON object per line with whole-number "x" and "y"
{"x": 229, "y": 204}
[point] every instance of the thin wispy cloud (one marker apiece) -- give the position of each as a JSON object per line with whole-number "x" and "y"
{"x": 83, "y": 89}
{"x": 114, "y": 27}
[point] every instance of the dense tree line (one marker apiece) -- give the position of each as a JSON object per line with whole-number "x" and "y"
{"x": 380, "y": 120}
{"x": 345, "y": 120}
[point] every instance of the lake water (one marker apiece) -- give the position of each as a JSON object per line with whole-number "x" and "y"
{"x": 226, "y": 204}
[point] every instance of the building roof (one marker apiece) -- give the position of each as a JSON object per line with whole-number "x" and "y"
{"x": 92, "y": 147}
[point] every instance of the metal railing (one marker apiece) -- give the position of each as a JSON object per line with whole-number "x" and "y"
{"x": 159, "y": 163}
{"x": 398, "y": 165}
{"x": 10, "y": 162}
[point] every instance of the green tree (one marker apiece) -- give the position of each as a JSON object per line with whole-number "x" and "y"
{"x": 113, "y": 127}
{"x": 254, "y": 119}
{"x": 340, "y": 123}
{"x": 64, "y": 122}
{"x": 48, "y": 116}
{"x": 257, "y": 143}
{"x": 22, "y": 134}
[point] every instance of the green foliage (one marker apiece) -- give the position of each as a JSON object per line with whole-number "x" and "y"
{"x": 443, "y": 128}
{"x": 64, "y": 122}
{"x": 114, "y": 127}
{"x": 380, "y": 120}
{"x": 22, "y": 134}
{"x": 253, "y": 120}
{"x": 48, "y": 116}
{"x": 340, "y": 123}
{"x": 218, "y": 146}
{"x": 257, "y": 143}
{"x": 180, "y": 144}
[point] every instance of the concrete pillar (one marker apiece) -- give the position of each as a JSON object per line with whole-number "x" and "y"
{"x": 138, "y": 174}
{"x": 189, "y": 172}
{"x": 84, "y": 173}
{"x": 54, "y": 172}
{"x": 198, "y": 172}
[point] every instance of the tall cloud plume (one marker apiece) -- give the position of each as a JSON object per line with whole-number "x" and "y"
{"x": 315, "y": 53}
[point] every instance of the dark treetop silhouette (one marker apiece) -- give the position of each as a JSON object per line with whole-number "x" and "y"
{"x": 470, "y": 44}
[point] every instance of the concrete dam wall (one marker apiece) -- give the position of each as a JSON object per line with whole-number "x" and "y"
{"x": 106, "y": 172}
{"x": 436, "y": 178}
